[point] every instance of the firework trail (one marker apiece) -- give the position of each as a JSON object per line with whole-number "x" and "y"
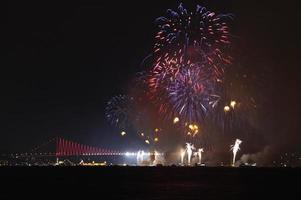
{"x": 162, "y": 75}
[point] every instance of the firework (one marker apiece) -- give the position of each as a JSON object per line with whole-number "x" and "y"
{"x": 187, "y": 84}
{"x": 149, "y": 136}
{"x": 191, "y": 92}
{"x": 194, "y": 34}
{"x": 186, "y": 90}
{"x": 234, "y": 110}
{"x": 159, "y": 80}
{"x": 118, "y": 111}
{"x": 162, "y": 73}
{"x": 189, "y": 62}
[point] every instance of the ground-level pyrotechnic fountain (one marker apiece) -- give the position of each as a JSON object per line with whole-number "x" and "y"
{"x": 235, "y": 148}
{"x": 189, "y": 152}
{"x": 199, "y": 154}
{"x": 189, "y": 149}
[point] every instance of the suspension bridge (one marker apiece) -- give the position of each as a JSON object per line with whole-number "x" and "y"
{"x": 60, "y": 147}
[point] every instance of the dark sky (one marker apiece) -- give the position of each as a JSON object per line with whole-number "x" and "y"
{"x": 65, "y": 60}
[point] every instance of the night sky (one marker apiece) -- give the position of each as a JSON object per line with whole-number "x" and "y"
{"x": 64, "y": 61}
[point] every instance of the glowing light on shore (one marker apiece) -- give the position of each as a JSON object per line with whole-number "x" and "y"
{"x": 142, "y": 134}
{"x": 156, "y": 130}
{"x": 147, "y": 141}
{"x": 156, "y": 139}
{"x": 123, "y": 133}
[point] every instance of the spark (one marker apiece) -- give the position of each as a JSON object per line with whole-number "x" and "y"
{"x": 176, "y": 120}
{"x": 226, "y": 108}
{"x": 232, "y": 104}
{"x": 194, "y": 129}
{"x": 118, "y": 110}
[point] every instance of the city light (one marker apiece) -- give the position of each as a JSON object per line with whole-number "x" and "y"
{"x": 123, "y": 133}
{"x": 130, "y": 154}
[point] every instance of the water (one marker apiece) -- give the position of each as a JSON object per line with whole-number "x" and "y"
{"x": 150, "y": 182}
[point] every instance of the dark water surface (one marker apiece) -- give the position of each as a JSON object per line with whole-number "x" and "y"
{"x": 150, "y": 183}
